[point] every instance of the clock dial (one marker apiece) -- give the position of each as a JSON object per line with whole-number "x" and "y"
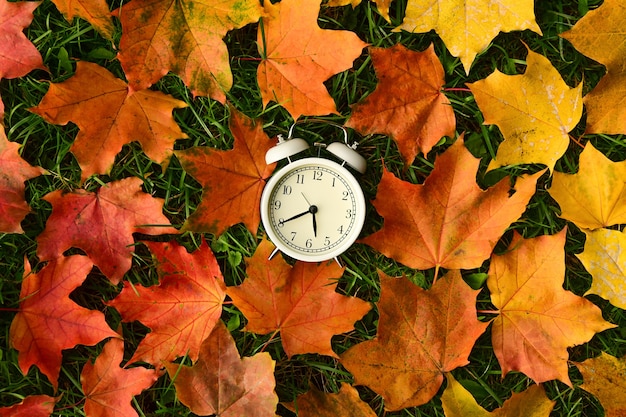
{"x": 313, "y": 209}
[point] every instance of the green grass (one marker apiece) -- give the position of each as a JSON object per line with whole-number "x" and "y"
{"x": 206, "y": 123}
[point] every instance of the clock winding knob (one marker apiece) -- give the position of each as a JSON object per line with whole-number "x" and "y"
{"x": 349, "y": 155}
{"x": 285, "y": 148}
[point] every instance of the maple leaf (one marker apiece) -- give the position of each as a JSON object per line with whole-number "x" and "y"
{"x": 300, "y": 302}
{"x": 538, "y": 319}
{"x": 458, "y": 402}
{"x": 605, "y": 103}
{"x": 468, "y": 26}
{"x": 102, "y": 224}
{"x": 108, "y": 388}
{"x": 182, "y": 310}
{"x": 421, "y": 335}
{"x": 222, "y": 383}
{"x": 13, "y": 172}
{"x": 232, "y": 181}
{"x": 184, "y": 37}
{"x": 298, "y": 56}
{"x": 96, "y": 12}
{"x": 123, "y": 116}
{"x": 408, "y": 104}
{"x": 534, "y": 111}
{"x": 463, "y": 222}
{"x": 18, "y": 56}
{"x": 605, "y": 259}
{"x": 596, "y": 195}
{"x": 32, "y": 406}
{"x": 345, "y": 403}
{"x": 605, "y": 377}
{"x": 48, "y": 321}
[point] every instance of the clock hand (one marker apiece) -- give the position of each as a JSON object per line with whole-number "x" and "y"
{"x": 313, "y": 210}
{"x": 296, "y": 216}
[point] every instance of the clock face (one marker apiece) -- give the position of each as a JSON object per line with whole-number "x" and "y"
{"x": 313, "y": 209}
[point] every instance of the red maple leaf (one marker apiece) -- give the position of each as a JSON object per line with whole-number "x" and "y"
{"x": 108, "y": 388}
{"x": 33, "y": 406}
{"x": 182, "y": 310}
{"x": 48, "y": 321}
{"x": 18, "y": 56}
{"x": 300, "y": 302}
{"x": 102, "y": 224}
{"x": 13, "y": 172}
{"x": 232, "y": 181}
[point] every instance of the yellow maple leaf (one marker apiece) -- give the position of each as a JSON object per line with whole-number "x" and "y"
{"x": 605, "y": 103}
{"x": 458, "y": 402}
{"x": 534, "y": 111}
{"x": 605, "y": 259}
{"x": 467, "y": 26}
{"x": 605, "y": 377}
{"x": 595, "y": 196}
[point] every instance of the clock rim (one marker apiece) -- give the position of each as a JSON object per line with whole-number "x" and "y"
{"x": 359, "y": 221}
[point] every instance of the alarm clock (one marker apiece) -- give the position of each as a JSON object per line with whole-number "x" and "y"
{"x": 313, "y": 208}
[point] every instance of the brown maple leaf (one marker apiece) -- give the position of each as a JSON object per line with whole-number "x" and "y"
{"x": 32, "y": 406}
{"x": 123, "y": 116}
{"x": 18, "y": 56}
{"x": 96, "y": 12}
{"x": 605, "y": 377}
{"x": 108, "y": 388}
{"x": 300, "y": 302}
{"x": 605, "y": 103}
{"x": 298, "y": 56}
{"x": 448, "y": 221}
{"x": 232, "y": 181}
{"x": 13, "y": 172}
{"x": 182, "y": 37}
{"x": 538, "y": 319}
{"x": 102, "y": 224}
{"x": 48, "y": 321}
{"x": 182, "y": 310}
{"x": 345, "y": 403}
{"x": 408, "y": 103}
{"x": 458, "y": 402}
{"x": 224, "y": 384}
{"x": 421, "y": 335}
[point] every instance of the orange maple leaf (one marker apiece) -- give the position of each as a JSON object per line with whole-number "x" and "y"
{"x": 102, "y": 224}
{"x": 182, "y": 37}
{"x": 605, "y": 103}
{"x": 96, "y": 12}
{"x": 298, "y": 56}
{"x": 123, "y": 116}
{"x": 458, "y": 402}
{"x": 408, "y": 103}
{"x": 182, "y": 310}
{"x": 224, "y": 384}
{"x": 345, "y": 403}
{"x": 421, "y": 335}
{"x": 48, "y": 321}
{"x": 448, "y": 221}
{"x": 18, "y": 56}
{"x": 108, "y": 388}
{"x": 232, "y": 181}
{"x": 300, "y": 302}
{"x": 605, "y": 377}
{"x": 32, "y": 406}
{"x": 538, "y": 320}
{"x": 13, "y": 172}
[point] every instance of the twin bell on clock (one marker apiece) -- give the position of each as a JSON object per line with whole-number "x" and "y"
{"x": 313, "y": 208}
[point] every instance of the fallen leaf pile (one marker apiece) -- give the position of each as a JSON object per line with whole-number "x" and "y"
{"x": 165, "y": 279}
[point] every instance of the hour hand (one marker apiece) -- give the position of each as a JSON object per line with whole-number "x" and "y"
{"x": 313, "y": 210}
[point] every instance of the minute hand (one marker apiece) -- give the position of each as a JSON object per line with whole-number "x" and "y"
{"x": 296, "y": 216}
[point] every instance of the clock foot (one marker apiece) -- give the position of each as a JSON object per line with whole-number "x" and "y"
{"x": 338, "y": 261}
{"x": 274, "y": 252}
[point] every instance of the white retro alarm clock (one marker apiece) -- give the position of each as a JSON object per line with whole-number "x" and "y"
{"x": 313, "y": 208}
